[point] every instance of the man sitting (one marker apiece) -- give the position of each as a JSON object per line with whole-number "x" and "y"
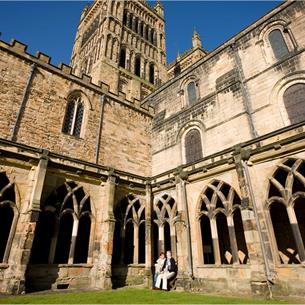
{"x": 168, "y": 271}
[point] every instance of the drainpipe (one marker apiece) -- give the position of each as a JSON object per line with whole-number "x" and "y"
{"x": 98, "y": 141}
{"x": 187, "y": 225}
{"x": 268, "y": 272}
{"x": 23, "y": 103}
{"x": 245, "y": 94}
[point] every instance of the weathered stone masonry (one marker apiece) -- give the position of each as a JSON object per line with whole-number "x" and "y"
{"x": 96, "y": 180}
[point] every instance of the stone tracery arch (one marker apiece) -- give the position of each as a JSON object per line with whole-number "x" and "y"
{"x": 218, "y": 215}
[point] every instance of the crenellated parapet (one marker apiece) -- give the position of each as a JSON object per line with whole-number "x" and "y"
{"x": 18, "y": 49}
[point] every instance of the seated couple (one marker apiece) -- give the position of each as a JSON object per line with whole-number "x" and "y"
{"x": 165, "y": 270}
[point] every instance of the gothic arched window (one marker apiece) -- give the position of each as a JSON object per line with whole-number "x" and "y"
{"x": 191, "y": 93}
{"x": 63, "y": 230}
{"x": 219, "y": 216}
{"x": 287, "y": 209}
{"x": 294, "y": 101}
{"x": 278, "y": 44}
{"x": 74, "y": 116}
{"x": 193, "y": 146}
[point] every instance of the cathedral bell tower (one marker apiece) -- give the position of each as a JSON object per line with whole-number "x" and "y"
{"x": 122, "y": 43}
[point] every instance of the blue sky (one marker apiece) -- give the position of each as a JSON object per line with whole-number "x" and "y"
{"x": 50, "y": 26}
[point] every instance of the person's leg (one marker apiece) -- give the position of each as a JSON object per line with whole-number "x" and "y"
{"x": 166, "y": 277}
{"x": 154, "y": 280}
{"x": 158, "y": 281}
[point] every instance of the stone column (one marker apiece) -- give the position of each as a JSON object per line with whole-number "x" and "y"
{"x": 296, "y": 233}
{"x": 105, "y": 237}
{"x": 73, "y": 240}
{"x": 232, "y": 237}
{"x": 215, "y": 241}
{"x": 161, "y": 238}
{"x": 25, "y": 230}
{"x": 184, "y": 250}
{"x": 135, "y": 244}
{"x": 148, "y": 235}
{"x": 255, "y": 230}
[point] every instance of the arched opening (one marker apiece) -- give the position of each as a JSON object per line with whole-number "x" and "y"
{"x": 167, "y": 237}
{"x": 224, "y": 239}
{"x": 125, "y": 18}
{"x": 191, "y": 93}
{"x": 142, "y": 243}
{"x": 64, "y": 239}
{"x": 137, "y": 70}
{"x": 278, "y": 44}
{"x": 294, "y": 101}
{"x": 207, "y": 242}
{"x": 193, "y": 146}
{"x": 240, "y": 237}
{"x": 6, "y": 220}
{"x": 129, "y": 243}
{"x": 43, "y": 238}
{"x": 82, "y": 240}
{"x": 123, "y": 58}
{"x": 152, "y": 73}
{"x": 283, "y": 234}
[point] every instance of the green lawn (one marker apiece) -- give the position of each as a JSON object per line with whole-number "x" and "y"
{"x": 129, "y": 296}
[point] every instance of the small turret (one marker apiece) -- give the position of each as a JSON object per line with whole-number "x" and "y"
{"x": 159, "y": 8}
{"x": 196, "y": 41}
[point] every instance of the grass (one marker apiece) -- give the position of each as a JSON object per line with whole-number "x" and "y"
{"x": 129, "y": 296}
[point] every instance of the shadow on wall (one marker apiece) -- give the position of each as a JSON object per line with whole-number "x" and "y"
{"x": 119, "y": 275}
{"x": 41, "y": 277}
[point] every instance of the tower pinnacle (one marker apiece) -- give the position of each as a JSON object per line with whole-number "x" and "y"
{"x": 196, "y": 41}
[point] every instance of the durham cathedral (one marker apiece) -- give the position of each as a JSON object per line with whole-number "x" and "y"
{"x": 109, "y": 160}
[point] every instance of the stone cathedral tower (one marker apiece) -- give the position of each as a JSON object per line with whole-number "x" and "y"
{"x": 122, "y": 43}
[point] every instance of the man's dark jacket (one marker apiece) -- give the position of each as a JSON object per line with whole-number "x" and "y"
{"x": 172, "y": 267}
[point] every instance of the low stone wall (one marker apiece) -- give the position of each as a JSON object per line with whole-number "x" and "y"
{"x": 44, "y": 277}
{"x": 126, "y": 275}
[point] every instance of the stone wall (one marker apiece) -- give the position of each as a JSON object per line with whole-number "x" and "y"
{"x": 238, "y": 84}
{"x": 125, "y": 135}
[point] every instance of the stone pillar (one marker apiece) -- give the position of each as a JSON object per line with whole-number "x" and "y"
{"x": 135, "y": 244}
{"x": 148, "y": 235}
{"x": 105, "y": 238}
{"x": 73, "y": 240}
{"x": 232, "y": 237}
{"x": 296, "y": 233}
{"x": 25, "y": 230}
{"x": 185, "y": 263}
{"x": 215, "y": 241}
{"x": 161, "y": 238}
{"x": 255, "y": 230}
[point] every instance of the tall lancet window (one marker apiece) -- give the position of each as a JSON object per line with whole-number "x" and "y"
{"x": 74, "y": 116}
{"x": 278, "y": 44}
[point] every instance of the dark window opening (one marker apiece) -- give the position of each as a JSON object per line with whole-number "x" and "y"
{"x": 224, "y": 239}
{"x": 6, "y": 220}
{"x": 283, "y": 234}
{"x": 278, "y": 44}
{"x": 191, "y": 93}
{"x": 152, "y": 73}
{"x": 294, "y": 101}
{"x": 43, "y": 238}
{"x": 129, "y": 243}
{"x": 122, "y": 58}
{"x": 207, "y": 242}
{"x": 156, "y": 249}
{"x": 82, "y": 240}
{"x": 142, "y": 243}
{"x": 138, "y": 66}
{"x": 167, "y": 237}
{"x": 64, "y": 239}
{"x": 193, "y": 148}
{"x": 240, "y": 237}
